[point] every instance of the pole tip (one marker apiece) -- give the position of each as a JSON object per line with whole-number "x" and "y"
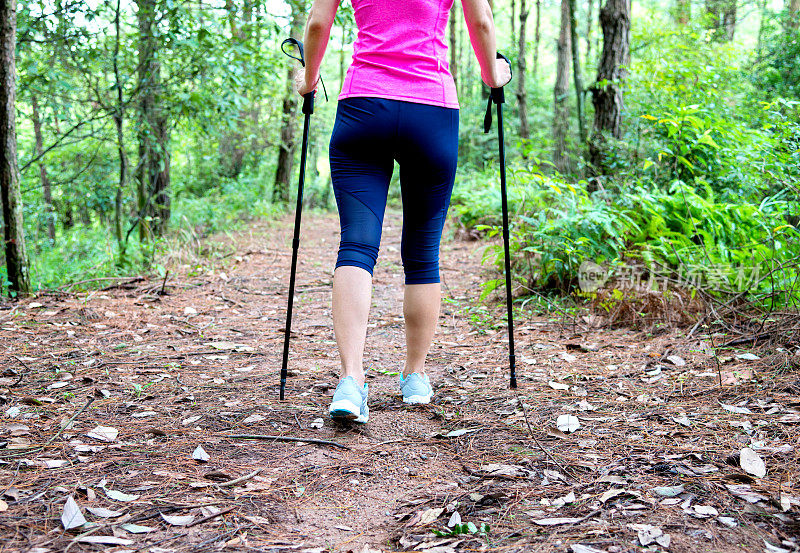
{"x": 513, "y": 382}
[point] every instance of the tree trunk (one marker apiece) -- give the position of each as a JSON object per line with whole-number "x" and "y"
{"x": 794, "y": 14}
{"x": 683, "y": 12}
{"x": 537, "y": 38}
{"x": 13, "y": 233}
{"x": 729, "y": 19}
{"x": 561, "y": 92}
{"x": 522, "y": 92}
{"x": 589, "y": 30}
{"x": 612, "y": 70}
{"x": 286, "y": 148}
{"x": 576, "y": 66}
{"x": 119, "y": 119}
{"x": 47, "y": 193}
{"x": 153, "y": 133}
{"x": 722, "y": 18}
{"x": 513, "y": 19}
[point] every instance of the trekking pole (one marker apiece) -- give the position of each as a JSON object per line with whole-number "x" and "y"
{"x": 497, "y": 96}
{"x": 308, "y": 109}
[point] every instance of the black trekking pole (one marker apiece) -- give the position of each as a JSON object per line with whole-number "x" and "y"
{"x": 308, "y": 109}
{"x": 498, "y": 97}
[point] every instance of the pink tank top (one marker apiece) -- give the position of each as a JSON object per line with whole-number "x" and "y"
{"x": 400, "y": 53}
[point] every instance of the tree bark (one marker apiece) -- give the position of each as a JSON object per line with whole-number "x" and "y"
{"x": 153, "y": 133}
{"x": 612, "y": 70}
{"x": 13, "y": 233}
{"x": 119, "y": 120}
{"x": 287, "y": 146}
{"x": 683, "y": 11}
{"x": 576, "y": 66}
{"x": 537, "y": 38}
{"x": 47, "y": 193}
{"x": 561, "y": 93}
{"x": 589, "y": 30}
{"x": 722, "y": 18}
{"x": 794, "y": 14}
{"x": 522, "y": 92}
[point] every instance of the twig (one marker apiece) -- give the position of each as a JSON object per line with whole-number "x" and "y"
{"x": 239, "y": 480}
{"x": 51, "y": 440}
{"x": 209, "y": 517}
{"x": 284, "y": 439}
{"x": 164, "y": 283}
{"x": 547, "y": 453}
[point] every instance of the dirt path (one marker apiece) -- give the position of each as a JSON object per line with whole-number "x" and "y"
{"x": 654, "y": 462}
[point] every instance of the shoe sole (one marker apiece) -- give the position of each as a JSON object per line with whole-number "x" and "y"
{"x": 417, "y": 400}
{"x": 344, "y": 410}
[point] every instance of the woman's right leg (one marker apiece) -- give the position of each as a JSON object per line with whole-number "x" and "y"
{"x": 361, "y": 168}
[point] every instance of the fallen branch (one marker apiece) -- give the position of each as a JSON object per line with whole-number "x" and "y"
{"x": 30, "y": 450}
{"x": 238, "y": 480}
{"x": 547, "y": 453}
{"x": 284, "y": 439}
{"x": 210, "y": 517}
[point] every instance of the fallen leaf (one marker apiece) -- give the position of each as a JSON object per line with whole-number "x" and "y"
{"x": 743, "y": 491}
{"x": 736, "y": 409}
{"x": 199, "y": 454}
{"x": 610, "y": 494}
{"x": 3, "y": 506}
{"x": 229, "y": 346}
{"x": 429, "y": 516}
{"x": 455, "y": 518}
{"x": 558, "y": 385}
{"x": 104, "y": 513}
{"x": 669, "y": 491}
{"x": 676, "y": 360}
{"x": 178, "y": 520}
{"x": 748, "y": 356}
{"x": 136, "y": 529}
{"x": 647, "y": 533}
{"x": 512, "y": 471}
{"x": 703, "y": 511}
{"x": 751, "y": 463}
{"x": 120, "y": 496}
{"x": 103, "y": 433}
{"x": 555, "y": 521}
{"x": 190, "y": 420}
{"x": 568, "y": 423}
{"x": 253, "y": 418}
{"x": 71, "y": 516}
{"x": 580, "y": 548}
{"x": 104, "y": 540}
{"x": 316, "y": 423}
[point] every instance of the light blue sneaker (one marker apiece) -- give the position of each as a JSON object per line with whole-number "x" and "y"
{"x": 416, "y": 388}
{"x": 349, "y": 401}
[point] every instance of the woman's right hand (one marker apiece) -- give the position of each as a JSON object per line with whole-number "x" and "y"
{"x": 501, "y": 76}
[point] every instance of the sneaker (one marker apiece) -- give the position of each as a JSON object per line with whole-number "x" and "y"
{"x": 416, "y": 388}
{"x": 349, "y": 401}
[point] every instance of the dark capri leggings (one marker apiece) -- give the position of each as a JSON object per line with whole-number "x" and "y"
{"x": 368, "y": 135}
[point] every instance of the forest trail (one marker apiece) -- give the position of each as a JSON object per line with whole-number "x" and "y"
{"x": 654, "y": 461}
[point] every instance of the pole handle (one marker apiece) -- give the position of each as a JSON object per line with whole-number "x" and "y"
{"x": 496, "y": 96}
{"x": 308, "y": 103}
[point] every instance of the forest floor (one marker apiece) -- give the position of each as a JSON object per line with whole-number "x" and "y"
{"x": 116, "y": 389}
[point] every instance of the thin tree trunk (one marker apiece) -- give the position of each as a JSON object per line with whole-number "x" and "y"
{"x": 683, "y": 11}
{"x": 611, "y": 73}
{"x": 729, "y": 19}
{"x": 513, "y": 22}
{"x": 794, "y": 14}
{"x": 286, "y": 148}
{"x": 537, "y": 39}
{"x": 119, "y": 119}
{"x": 561, "y": 93}
{"x": 522, "y": 92}
{"x": 589, "y": 30}
{"x": 47, "y": 193}
{"x": 154, "y": 159}
{"x": 16, "y": 254}
{"x": 576, "y": 66}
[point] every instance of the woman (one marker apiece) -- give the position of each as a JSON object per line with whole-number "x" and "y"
{"x": 398, "y": 102}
